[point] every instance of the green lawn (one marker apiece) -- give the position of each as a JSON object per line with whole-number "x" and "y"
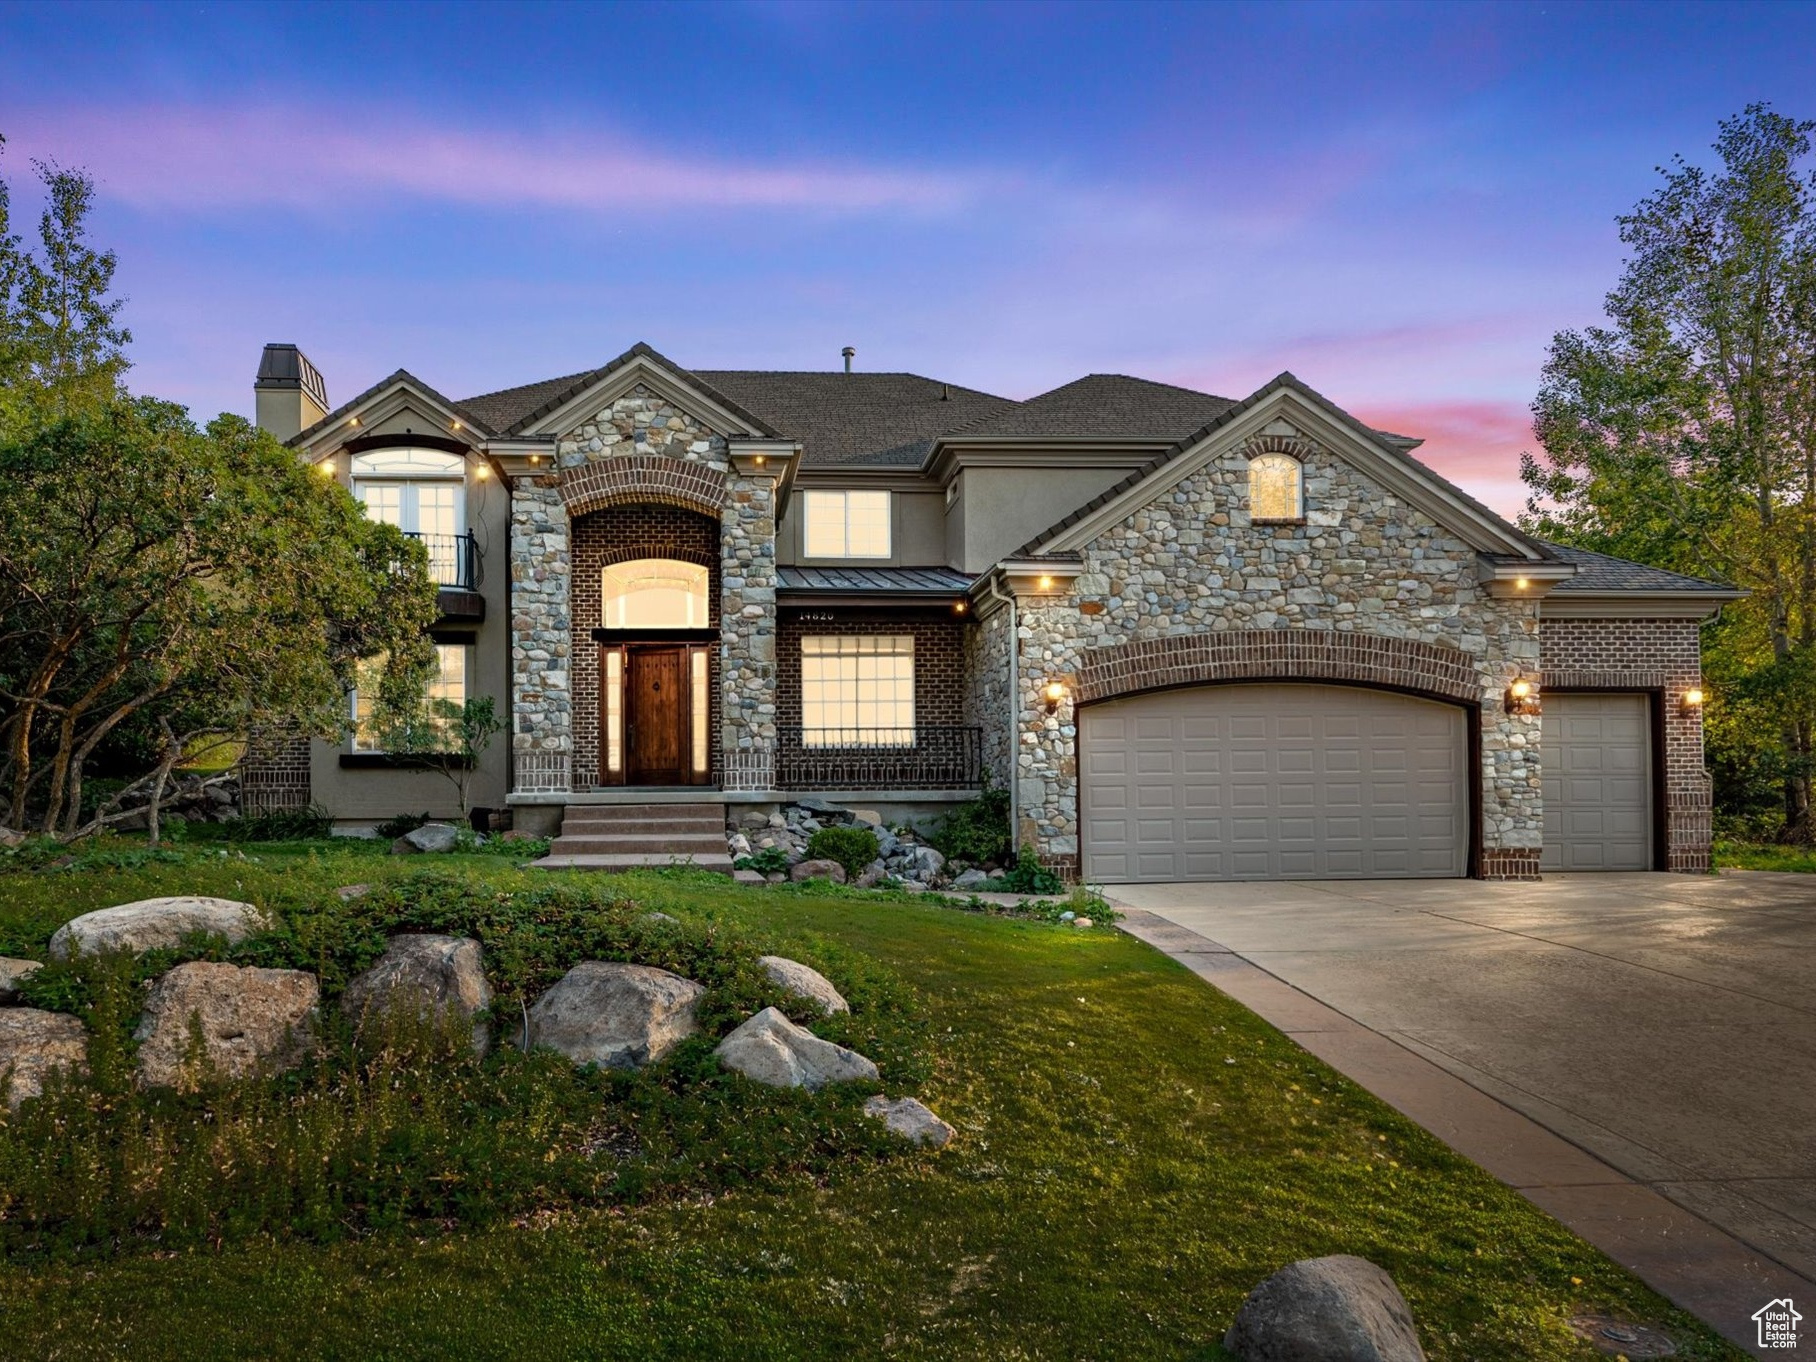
{"x": 1765, "y": 856}
{"x": 1136, "y": 1151}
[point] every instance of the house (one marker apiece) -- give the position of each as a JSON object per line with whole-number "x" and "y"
{"x": 1195, "y": 638}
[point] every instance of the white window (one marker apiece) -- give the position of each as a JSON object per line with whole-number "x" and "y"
{"x": 422, "y": 492}
{"x": 1276, "y": 488}
{"x": 857, "y": 691}
{"x": 654, "y": 593}
{"x": 453, "y": 665}
{"x": 845, "y": 524}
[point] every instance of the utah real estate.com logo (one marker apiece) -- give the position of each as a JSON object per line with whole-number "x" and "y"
{"x": 1777, "y": 1321}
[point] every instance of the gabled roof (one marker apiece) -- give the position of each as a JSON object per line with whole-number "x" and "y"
{"x": 467, "y": 416}
{"x": 1598, "y": 572}
{"x": 1393, "y": 448}
{"x": 1103, "y": 406}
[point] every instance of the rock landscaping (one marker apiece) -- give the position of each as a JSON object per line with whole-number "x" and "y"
{"x": 154, "y": 924}
{"x": 1336, "y": 1309}
{"x": 424, "y": 976}
{"x": 804, "y": 982}
{"x": 773, "y": 1050}
{"x": 246, "y": 1020}
{"x": 33, "y": 1044}
{"x": 911, "y": 1119}
{"x": 616, "y": 1016}
{"x": 431, "y": 838}
{"x": 11, "y": 972}
{"x": 902, "y": 855}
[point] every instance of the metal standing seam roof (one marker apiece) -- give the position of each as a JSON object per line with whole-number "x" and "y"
{"x": 939, "y": 580}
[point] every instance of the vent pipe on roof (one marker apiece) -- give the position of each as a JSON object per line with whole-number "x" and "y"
{"x": 848, "y": 352}
{"x": 945, "y": 392}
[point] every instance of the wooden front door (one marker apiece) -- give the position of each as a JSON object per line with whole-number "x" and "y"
{"x": 656, "y": 716}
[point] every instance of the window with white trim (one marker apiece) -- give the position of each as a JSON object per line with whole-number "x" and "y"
{"x": 655, "y": 593}
{"x": 421, "y": 491}
{"x": 857, "y": 691}
{"x": 453, "y": 667}
{"x": 845, "y": 524}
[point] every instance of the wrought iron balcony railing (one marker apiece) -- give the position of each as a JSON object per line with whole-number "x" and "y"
{"x": 454, "y": 561}
{"x": 924, "y": 757}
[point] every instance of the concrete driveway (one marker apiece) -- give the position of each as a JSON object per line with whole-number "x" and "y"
{"x": 1664, "y": 1023}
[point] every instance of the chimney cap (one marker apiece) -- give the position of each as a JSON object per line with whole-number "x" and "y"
{"x": 284, "y": 366}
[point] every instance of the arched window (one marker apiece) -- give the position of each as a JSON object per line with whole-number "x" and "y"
{"x": 1276, "y": 488}
{"x": 654, "y": 593}
{"x": 422, "y": 492}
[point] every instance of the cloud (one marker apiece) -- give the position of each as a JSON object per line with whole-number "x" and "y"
{"x": 202, "y": 159}
{"x": 1475, "y": 444}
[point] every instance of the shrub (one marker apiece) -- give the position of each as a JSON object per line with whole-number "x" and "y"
{"x": 768, "y": 861}
{"x": 393, "y": 828}
{"x": 1029, "y": 876}
{"x": 309, "y": 823}
{"x": 852, "y": 847}
{"x": 977, "y": 832}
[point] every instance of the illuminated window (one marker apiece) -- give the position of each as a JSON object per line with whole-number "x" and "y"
{"x": 655, "y": 593}
{"x": 845, "y": 524}
{"x": 1276, "y": 488}
{"x": 423, "y": 493}
{"x": 857, "y": 691}
{"x": 453, "y": 664}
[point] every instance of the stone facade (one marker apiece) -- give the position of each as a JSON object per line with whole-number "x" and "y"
{"x": 747, "y": 626}
{"x": 1361, "y": 562}
{"x": 987, "y": 658}
{"x": 1663, "y": 658}
{"x": 640, "y": 422}
{"x": 542, "y": 643}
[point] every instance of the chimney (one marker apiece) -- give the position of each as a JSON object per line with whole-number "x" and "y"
{"x": 289, "y": 394}
{"x": 848, "y": 352}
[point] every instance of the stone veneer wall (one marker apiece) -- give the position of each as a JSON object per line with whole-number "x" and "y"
{"x": 1362, "y": 561}
{"x": 620, "y": 534}
{"x": 987, "y": 663}
{"x": 1663, "y": 656}
{"x": 542, "y": 709}
{"x": 747, "y": 630}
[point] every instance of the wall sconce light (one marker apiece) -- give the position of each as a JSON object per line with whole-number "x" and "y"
{"x": 1046, "y": 583}
{"x": 958, "y": 607}
{"x": 1520, "y": 583}
{"x": 353, "y": 420}
{"x": 325, "y": 467}
{"x": 1693, "y": 698}
{"x": 761, "y": 460}
{"x": 482, "y": 472}
{"x": 1522, "y": 696}
{"x": 1054, "y": 692}
{"x": 456, "y": 425}
{"x": 535, "y": 458}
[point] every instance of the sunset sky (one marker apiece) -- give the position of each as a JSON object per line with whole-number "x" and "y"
{"x": 1399, "y": 203}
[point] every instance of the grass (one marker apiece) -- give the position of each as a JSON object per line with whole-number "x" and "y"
{"x": 1765, "y": 856}
{"x": 1136, "y": 1151}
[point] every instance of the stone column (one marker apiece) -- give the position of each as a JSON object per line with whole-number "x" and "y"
{"x": 542, "y": 710}
{"x": 747, "y": 629}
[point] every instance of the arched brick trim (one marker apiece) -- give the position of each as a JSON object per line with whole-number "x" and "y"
{"x": 1299, "y": 448}
{"x": 1277, "y": 654}
{"x": 652, "y": 479}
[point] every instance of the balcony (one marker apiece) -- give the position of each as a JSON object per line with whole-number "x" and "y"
{"x": 926, "y": 757}
{"x": 455, "y": 566}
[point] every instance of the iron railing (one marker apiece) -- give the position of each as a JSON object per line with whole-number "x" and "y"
{"x": 924, "y": 757}
{"x": 453, "y": 560}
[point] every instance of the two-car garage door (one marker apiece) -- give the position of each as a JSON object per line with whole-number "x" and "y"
{"x": 1301, "y": 781}
{"x": 1258, "y": 782}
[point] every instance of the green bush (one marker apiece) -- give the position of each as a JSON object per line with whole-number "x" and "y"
{"x": 393, "y": 828}
{"x": 309, "y": 823}
{"x": 1028, "y": 876}
{"x": 852, "y": 847}
{"x": 403, "y": 1124}
{"x": 768, "y": 861}
{"x": 977, "y": 832}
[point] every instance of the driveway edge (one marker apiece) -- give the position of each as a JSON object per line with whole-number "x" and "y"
{"x": 1687, "y": 1260}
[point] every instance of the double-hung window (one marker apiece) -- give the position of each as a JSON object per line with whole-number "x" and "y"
{"x": 423, "y": 493}
{"x": 845, "y": 524}
{"x": 453, "y": 667}
{"x": 857, "y": 691}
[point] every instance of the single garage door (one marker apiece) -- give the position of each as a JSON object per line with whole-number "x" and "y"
{"x": 1596, "y": 774}
{"x": 1279, "y": 781}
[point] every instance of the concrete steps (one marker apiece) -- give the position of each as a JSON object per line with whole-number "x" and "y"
{"x": 636, "y": 836}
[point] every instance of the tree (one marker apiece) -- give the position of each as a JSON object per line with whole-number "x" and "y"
{"x": 199, "y": 583}
{"x": 440, "y": 735}
{"x": 1683, "y": 433}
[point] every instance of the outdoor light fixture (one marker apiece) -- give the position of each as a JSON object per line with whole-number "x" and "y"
{"x": 482, "y": 472}
{"x": 761, "y": 460}
{"x": 1693, "y": 698}
{"x": 535, "y": 458}
{"x": 1046, "y": 583}
{"x": 958, "y": 607}
{"x": 1055, "y": 692}
{"x": 1520, "y": 584}
{"x": 1522, "y": 696}
{"x": 353, "y": 420}
{"x": 456, "y": 425}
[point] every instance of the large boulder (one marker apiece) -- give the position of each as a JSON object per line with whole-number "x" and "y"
{"x": 925, "y": 863}
{"x": 425, "y": 976}
{"x": 771, "y": 1049}
{"x": 910, "y": 1119}
{"x": 818, "y": 870}
{"x": 618, "y": 1016}
{"x": 793, "y": 977}
{"x": 970, "y": 879}
{"x": 1336, "y": 1309}
{"x": 430, "y": 837}
{"x": 11, "y": 972}
{"x": 248, "y": 1019}
{"x": 152, "y": 924}
{"x": 32, "y": 1045}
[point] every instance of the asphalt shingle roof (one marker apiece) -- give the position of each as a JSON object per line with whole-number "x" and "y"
{"x": 1599, "y": 572}
{"x": 1106, "y": 406}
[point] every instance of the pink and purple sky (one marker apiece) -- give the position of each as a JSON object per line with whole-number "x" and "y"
{"x": 1400, "y": 203}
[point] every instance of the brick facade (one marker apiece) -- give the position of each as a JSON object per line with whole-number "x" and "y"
{"x": 1664, "y": 659}
{"x": 649, "y": 479}
{"x": 621, "y": 534}
{"x": 939, "y": 658}
{"x": 274, "y": 775}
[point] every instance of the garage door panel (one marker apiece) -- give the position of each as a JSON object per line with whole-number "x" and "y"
{"x": 1314, "y": 781}
{"x": 1596, "y": 782}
